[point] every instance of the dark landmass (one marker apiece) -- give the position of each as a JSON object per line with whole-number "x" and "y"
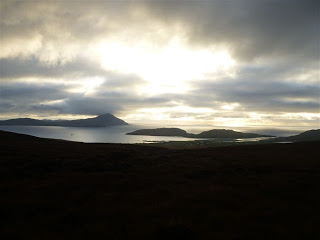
{"x": 169, "y": 132}
{"x": 311, "y": 135}
{"x": 177, "y": 132}
{"x": 99, "y": 121}
{"x": 224, "y": 133}
{"x": 195, "y": 144}
{"x": 54, "y": 189}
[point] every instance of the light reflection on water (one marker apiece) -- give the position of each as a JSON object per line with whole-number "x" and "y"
{"x": 117, "y": 134}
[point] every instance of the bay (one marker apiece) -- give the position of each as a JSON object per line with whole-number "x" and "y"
{"x": 117, "y": 134}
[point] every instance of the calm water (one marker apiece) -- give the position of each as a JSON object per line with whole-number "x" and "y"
{"x": 117, "y": 134}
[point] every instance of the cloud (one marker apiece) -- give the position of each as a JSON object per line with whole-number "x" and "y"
{"x": 249, "y": 29}
{"x": 261, "y": 90}
{"x": 19, "y": 98}
{"x": 15, "y": 68}
{"x": 51, "y": 58}
{"x": 115, "y": 93}
{"x": 32, "y": 92}
{"x": 58, "y": 31}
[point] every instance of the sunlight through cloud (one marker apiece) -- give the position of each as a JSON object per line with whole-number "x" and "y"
{"x": 166, "y": 69}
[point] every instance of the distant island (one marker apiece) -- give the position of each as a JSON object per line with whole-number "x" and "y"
{"x": 169, "y": 132}
{"x": 177, "y": 132}
{"x": 103, "y": 120}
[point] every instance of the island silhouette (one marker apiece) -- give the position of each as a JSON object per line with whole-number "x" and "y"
{"x": 214, "y": 133}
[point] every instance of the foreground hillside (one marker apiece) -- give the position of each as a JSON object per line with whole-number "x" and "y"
{"x": 53, "y": 189}
{"x": 311, "y": 135}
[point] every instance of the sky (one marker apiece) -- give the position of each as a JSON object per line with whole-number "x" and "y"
{"x": 219, "y": 62}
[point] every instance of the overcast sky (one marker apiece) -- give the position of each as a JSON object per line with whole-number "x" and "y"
{"x": 219, "y": 62}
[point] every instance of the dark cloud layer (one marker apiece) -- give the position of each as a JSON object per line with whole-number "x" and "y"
{"x": 255, "y": 93}
{"x": 251, "y": 29}
{"x": 13, "y": 68}
{"x": 109, "y": 98}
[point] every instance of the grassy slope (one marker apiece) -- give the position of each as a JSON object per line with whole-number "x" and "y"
{"x": 54, "y": 189}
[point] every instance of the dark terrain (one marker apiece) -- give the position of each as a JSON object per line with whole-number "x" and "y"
{"x": 103, "y": 120}
{"x": 175, "y": 132}
{"x": 54, "y": 189}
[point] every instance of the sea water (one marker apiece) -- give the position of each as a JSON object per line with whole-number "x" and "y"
{"x": 117, "y": 134}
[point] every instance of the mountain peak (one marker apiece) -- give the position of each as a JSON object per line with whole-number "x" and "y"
{"x": 104, "y": 115}
{"x": 108, "y": 119}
